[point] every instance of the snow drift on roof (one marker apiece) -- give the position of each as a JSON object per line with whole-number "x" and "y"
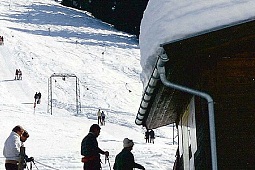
{"x": 170, "y": 20}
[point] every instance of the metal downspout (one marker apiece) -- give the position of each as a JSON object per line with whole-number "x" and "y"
{"x": 161, "y": 70}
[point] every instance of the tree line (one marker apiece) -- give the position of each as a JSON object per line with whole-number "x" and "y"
{"x": 124, "y": 15}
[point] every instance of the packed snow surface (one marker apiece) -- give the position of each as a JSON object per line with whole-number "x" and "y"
{"x": 44, "y": 37}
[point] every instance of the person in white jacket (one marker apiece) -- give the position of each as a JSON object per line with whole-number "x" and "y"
{"x": 11, "y": 149}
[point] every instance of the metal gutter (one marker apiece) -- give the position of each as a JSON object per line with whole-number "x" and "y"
{"x": 161, "y": 70}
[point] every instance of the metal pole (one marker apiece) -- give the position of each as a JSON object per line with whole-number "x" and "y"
{"x": 107, "y": 159}
{"x": 162, "y": 73}
{"x": 50, "y": 95}
{"x": 77, "y": 107}
{"x": 173, "y": 134}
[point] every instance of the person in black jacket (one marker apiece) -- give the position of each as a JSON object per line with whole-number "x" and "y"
{"x": 36, "y": 96}
{"x": 39, "y": 98}
{"x": 125, "y": 159}
{"x": 152, "y": 136}
{"x": 23, "y": 138}
{"x": 147, "y": 136}
{"x": 1, "y": 40}
{"x": 90, "y": 149}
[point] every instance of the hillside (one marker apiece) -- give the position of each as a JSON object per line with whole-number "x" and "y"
{"x": 42, "y": 38}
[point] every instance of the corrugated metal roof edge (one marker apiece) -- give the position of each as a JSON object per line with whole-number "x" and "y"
{"x": 148, "y": 92}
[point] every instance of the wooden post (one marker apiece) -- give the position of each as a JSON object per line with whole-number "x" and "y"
{"x": 22, "y": 158}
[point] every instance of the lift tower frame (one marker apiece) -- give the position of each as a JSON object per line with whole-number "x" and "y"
{"x": 77, "y": 90}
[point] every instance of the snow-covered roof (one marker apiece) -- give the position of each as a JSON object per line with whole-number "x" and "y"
{"x": 170, "y": 20}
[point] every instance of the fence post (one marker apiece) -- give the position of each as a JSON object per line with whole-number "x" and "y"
{"x": 22, "y": 158}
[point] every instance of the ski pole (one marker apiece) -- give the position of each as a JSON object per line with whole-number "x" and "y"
{"x": 35, "y": 165}
{"x": 107, "y": 159}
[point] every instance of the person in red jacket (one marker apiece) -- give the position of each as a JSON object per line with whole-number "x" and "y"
{"x": 90, "y": 149}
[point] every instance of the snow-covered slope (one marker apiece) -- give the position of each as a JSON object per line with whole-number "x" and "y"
{"x": 42, "y": 38}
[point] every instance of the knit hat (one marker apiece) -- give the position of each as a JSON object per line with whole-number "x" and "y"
{"x": 127, "y": 143}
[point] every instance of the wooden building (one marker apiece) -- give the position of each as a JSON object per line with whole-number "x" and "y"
{"x": 221, "y": 63}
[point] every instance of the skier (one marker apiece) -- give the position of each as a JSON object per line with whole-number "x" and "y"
{"x": 99, "y": 118}
{"x": 16, "y": 74}
{"x": 36, "y": 96}
{"x": 125, "y": 159}
{"x": 152, "y": 136}
{"x": 147, "y": 135}
{"x": 1, "y": 40}
{"x": 90, "y": 149}
{"x": 23, "y": 139}
{"x": 39, "y": 98}
{"x": 103, "y": 118}
{"x": 19, "y": 75}
{"x": 11, "y": 149}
